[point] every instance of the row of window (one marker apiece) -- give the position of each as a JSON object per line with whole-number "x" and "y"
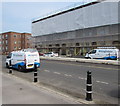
{"x": 6, "y": 36}
{"x": 6, "y": 42}
{"x": 77, "y": 44}
{"x": 6, "y": 48}
{"x": 102, "y": 43}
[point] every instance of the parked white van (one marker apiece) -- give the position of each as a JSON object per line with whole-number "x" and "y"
{"x": 23, "y": 59}
{"x": 104, "y": 53}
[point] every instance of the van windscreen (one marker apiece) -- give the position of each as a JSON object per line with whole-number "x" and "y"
{"x": 92, "y": 52}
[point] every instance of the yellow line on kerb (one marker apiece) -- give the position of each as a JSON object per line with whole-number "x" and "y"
{"x": 85, "y": 66}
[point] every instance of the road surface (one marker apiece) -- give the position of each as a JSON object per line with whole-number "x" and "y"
{"x": 70, "y": 78}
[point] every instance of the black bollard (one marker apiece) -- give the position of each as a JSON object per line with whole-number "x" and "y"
{"x": 10, "y": 68}
{"x": 89, "y": 86}
{"x": 10, "y": 71}
{"x": 35, "y": 73}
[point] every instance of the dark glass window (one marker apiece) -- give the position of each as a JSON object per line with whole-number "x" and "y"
{"x": 92, "y": 52}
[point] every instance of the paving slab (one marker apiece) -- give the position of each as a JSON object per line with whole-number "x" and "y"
{"x": 19, "y": 91}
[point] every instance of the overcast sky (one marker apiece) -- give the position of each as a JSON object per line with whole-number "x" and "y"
{"x": 17, "y": 16}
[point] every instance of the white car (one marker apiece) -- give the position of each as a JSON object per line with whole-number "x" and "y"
{"x": 51, "y": 54}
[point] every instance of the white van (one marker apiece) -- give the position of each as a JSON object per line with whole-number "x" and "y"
{"x": 24, "y": 59}
{"x": 104, "y": 53}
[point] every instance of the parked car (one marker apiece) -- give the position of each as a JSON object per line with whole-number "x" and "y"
{"x": 51, "y": 54}
{"x": 41, "y": 54}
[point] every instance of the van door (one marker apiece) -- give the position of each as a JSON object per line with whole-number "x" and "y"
{"x": 13, "y": 59}
{"x": 92, "y": 54}
{"x": 31, "y": 58}
{"x": 8, "y": 59}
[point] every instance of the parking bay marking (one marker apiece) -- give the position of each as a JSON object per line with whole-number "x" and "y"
{"x": 78, "y": 77}
{"x": 46, "y": 70}
{"x": 56, "y": 73}
{"x": 82, "y": 78}
{"x": 68, "y": 75}
{"x": 96, "y": 81}
{"x": 102, "y": 82}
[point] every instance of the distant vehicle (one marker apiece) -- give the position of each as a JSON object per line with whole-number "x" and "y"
{"x": 51, "y": 54}
{"x": 23, "y": 59}
{"x": 41, "y": 54}
{"x": 104, "y": 53}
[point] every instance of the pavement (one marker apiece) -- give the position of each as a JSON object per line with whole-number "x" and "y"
{"x": 19, "y": 91}
{"x": 83, "y": 60}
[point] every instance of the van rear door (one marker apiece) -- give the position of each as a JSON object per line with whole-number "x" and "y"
{"x": 31, "y": 59}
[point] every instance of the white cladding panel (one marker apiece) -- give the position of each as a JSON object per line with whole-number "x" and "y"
{"x": 100, "y": 14}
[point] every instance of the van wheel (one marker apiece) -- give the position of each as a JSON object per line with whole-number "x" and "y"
{"x": 19, "y": 68}
{"x": 7, "y": 66}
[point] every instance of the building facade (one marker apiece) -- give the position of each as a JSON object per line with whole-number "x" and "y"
{"x": 78, "y": 30}
{"x": 12, "y": 41}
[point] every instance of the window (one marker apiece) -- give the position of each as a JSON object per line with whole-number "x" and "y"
{"x": 19, "y": 47}
{"x": 6, "y": 35}
{"x": 9, "y": 55}
{"x": 57, "y": 45}
{"x": 116, "y": 42}
{"x": 6, "y": 48}
{"x": 77, "y": 44}
{"x": 64, "y": 45}
{"x": 94, "y": 43}
{"x": 87, "y": 43}
{"x": 50, "y": 45}
{"x": 92, "y": 52}
{"x": 15, "y": 42}
{"x": 15, "y": 35}
{"x": 20, "y": 36}
{"x": 6, "y": 42}
{"x": 15, "y": 48}
{"x": 19, "y": 42}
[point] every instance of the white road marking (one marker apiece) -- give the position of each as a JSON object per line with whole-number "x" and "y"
{"x": 102, "y": 82}
{"x": 82, "y": 78}
{"x": 46, "y": 70}
{"x": 56, "y": 73}
{"x": 68, "y": 75}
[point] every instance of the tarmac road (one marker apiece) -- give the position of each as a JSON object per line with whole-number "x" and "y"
{"x": 70, "y": 78}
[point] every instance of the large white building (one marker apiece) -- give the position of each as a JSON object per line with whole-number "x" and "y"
{"x": 77, "y": 30}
